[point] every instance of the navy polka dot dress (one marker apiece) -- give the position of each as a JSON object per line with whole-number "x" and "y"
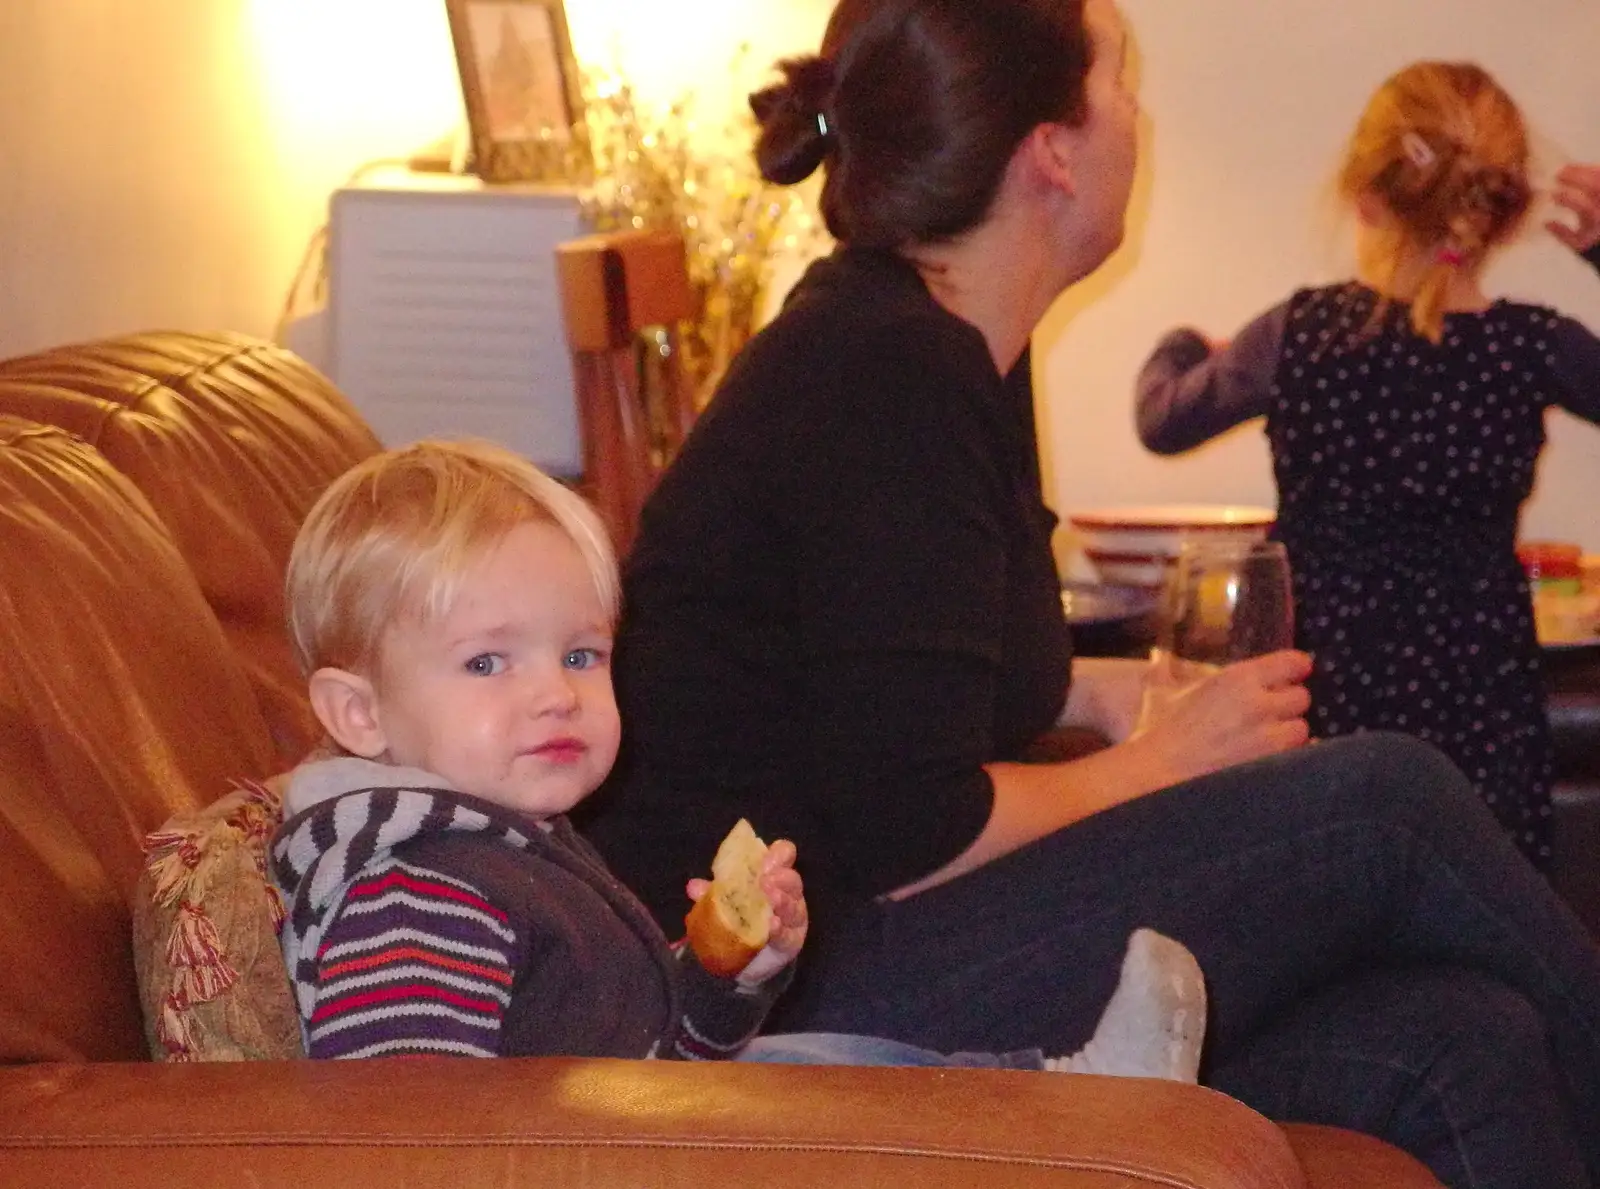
{"x": 1401, "y": 468}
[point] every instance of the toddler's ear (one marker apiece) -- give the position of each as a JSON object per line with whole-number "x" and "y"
{"x": 346, "y": 706}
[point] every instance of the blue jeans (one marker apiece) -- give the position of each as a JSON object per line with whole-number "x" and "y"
{"x": 1365, "y": 928}
{"x": 840, "y": 1048}
{"x": 1453, "y": 1065}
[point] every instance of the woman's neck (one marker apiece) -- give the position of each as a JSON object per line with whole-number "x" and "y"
{"x": 992, "y": 278}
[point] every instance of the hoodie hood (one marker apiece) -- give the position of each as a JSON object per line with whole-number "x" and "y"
{"x": 341, "y": 815}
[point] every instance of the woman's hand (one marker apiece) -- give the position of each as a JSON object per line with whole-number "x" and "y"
{"x": 1578, "y": 189}
{"x": 790, "y": 920}
{"x": 1105, "y": 695}
{"x": 1250, "y": 709}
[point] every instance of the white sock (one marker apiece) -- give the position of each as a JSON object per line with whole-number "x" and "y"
{"x": 1155, "y": 1022}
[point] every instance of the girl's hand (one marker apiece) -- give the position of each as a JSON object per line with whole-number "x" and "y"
{"x": 787, "y": 928}
{"x": 1578, "y": 189}
{"x": 1248, "y": 710}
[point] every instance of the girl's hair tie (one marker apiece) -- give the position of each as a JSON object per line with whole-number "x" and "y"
{"x": 1420, "y": 152}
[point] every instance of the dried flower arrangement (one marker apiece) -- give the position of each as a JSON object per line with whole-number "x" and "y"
{"x": 658, "y": 168}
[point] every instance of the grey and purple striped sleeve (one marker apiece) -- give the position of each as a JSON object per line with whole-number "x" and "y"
{"x": 720, "y": 1015}
{"x": 415, "y": 963}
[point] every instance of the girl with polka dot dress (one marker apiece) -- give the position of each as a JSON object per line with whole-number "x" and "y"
{"x": 1405, "y": 412}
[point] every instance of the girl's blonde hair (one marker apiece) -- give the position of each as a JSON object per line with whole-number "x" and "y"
{"x": 395, "y": 533}
{"x": 1445, "y": 149}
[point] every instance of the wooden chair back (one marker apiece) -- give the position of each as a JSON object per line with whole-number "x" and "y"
{"x": 623, "y": 294}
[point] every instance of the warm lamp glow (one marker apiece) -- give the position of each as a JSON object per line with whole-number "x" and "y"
{"x": 379, "y": 72}
{"x": 665, "y": 50}
{"x": 382, "y": 73}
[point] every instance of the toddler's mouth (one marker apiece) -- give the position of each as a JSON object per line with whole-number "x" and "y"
{"x": 565, "y": 750}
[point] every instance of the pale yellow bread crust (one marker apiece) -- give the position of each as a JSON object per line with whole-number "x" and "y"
{"x": 728, "y": 926}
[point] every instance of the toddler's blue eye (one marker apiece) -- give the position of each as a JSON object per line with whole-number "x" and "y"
{"x": 486, "y": 664}
{"x": 583, "y": 658}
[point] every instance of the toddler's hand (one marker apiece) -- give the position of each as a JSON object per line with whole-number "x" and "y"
{"x": 781, "y": 882}
{"x": 787, "y": 928}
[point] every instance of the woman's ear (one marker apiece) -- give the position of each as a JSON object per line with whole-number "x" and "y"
{"x": 347, "y": 707}
{"x": 1048, "y": 152}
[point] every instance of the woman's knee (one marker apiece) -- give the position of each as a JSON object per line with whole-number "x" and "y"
{"x": 1395, "y": 756}
{"x": 1401, "y": 775}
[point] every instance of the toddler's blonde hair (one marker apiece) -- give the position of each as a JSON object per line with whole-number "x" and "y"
{"x": 394, "y": 534}
{"x": 1445, "y": 149}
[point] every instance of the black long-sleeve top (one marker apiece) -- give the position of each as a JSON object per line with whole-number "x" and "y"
{"x": 842, "y": 601}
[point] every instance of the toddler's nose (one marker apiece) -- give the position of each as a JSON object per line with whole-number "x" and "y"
{"x": 553, "y": 693}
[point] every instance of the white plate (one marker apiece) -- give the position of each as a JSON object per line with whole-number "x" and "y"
{"x": 1164, "y": 517}
{"x": 1132, "y": 545}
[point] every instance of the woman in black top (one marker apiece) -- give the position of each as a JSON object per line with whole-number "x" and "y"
{"x": 843, "y": 621}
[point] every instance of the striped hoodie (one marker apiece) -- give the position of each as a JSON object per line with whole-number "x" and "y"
{"x": 424, "y": 920}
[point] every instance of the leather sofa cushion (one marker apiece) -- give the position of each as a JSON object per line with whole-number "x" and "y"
{"x": 443, "y": 1123}
{"x": 1575, "y": 727}
{"x": 231, "y": 439}
{"x": 98, "y": 739}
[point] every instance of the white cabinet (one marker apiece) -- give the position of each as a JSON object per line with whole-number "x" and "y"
{"x": 443, "y": 312}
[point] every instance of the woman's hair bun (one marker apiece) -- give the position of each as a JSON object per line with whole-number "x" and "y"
{"x": 796, "y": 128}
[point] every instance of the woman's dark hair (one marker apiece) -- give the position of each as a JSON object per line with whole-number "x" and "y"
{"x": 916, "y": 106}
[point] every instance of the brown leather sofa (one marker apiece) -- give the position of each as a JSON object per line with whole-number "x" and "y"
{"x": 149, "y": 489}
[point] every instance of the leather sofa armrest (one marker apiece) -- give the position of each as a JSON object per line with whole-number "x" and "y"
{"x": 450, "y": 1123}
{"x": 1575, "y": 728}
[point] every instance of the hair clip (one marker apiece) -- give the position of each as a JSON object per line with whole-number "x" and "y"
{"x": 1417, "y": 149}
{"x": 822, "y": 125}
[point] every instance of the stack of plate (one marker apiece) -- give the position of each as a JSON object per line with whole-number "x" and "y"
{"x": 1132, "y": 546}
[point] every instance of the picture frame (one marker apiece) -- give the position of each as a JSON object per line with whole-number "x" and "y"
{"x": 520, "y": 85}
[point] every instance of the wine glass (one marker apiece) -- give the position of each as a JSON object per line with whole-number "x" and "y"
{"x": 1226, "y": 599}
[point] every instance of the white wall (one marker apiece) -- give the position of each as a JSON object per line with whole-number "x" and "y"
{"x": 1249, "y": 102}
{"x": 163, "y": 162}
